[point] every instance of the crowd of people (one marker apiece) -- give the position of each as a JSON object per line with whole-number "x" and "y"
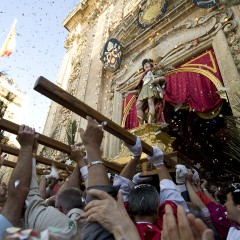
{"x": 89, "y": 205}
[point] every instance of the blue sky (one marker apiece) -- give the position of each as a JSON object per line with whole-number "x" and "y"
{"x": 39, "y": 50}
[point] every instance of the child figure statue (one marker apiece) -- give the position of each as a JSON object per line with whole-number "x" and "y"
{"x": 148, "y": 89}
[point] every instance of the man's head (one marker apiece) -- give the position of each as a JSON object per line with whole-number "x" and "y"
{"x": 68, "y": 199}
{"x": 147, "y": 64}
{"x": 143, "y": 201}
{"x": 233, "y": 202}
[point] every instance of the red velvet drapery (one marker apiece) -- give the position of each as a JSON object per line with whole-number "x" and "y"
{"x": 129, "y": 119}
{"x": 192, "y": 87}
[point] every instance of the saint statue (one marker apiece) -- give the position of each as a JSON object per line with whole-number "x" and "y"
{"x": 149, "y": 88}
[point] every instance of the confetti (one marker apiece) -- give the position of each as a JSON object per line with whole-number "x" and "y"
{"x": 17, "y": 183}
{"x": 225, "y": 89}
{"x": 177, "y": 107}
{"x": 54, "y": 172}
{"x": 68, "y": 162}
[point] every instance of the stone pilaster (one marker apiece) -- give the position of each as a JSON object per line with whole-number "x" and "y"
{"x": 227, "y": 67}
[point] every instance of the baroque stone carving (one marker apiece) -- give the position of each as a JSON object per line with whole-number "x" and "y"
{"x": 197, "y": 31}
{"x": 234, "y": 44}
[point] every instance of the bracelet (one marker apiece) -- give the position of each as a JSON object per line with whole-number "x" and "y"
{"x": 94, "y": 163}
{"x": 204, "y": 189}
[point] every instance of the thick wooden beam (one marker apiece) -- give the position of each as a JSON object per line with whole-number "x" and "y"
{"x": 39, "y": 159}
{"x": 65, "y": 99}
{"x": 44, "y": 140}
{"x": 11, "y": 164}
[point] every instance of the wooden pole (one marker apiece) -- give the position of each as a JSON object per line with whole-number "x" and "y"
{"x": 44, "y": 140}
{"x": 11, "y": 164}
{"x": 65, "y": 99}
{"x": 39, "y": 159}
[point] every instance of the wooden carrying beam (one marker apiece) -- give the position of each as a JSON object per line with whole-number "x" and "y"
{"x": 39, "y": 159}
{"x": 11, "y": 127}
{"x": 65, "y": 99}
{"x": 13, "y": 165}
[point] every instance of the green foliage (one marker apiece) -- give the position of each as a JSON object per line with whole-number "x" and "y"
{"x": 71, "y": 132}
{"x": 46, "y": 150}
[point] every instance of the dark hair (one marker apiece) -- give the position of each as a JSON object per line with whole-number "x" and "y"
{"x": 70, "y": 198}
{"x": 143, "y": 200}
{"x": 147, "y": 61}
{"x": 222, "y": 195}
{"x": 234, "y": 189}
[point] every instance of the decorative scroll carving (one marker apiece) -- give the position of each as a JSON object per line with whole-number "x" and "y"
{"x": 72, "y": 37}
{"x": 212, "y": 23}
{"x": 98, "y": 8}
{"x": 234, "y": 44}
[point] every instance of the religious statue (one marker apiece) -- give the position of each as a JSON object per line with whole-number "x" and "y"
{"x": 149, "y": 89}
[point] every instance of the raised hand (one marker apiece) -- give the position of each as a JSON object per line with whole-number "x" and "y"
{"x": 203, "y": 183}
{"x": 93, "y": 134}
{"x": 188, "y": 227}
{"x": 136, "y": 149}
{"x": 76, "y": 154}
{"x": 111, "y": 214}
{"x": 26, "y": 136}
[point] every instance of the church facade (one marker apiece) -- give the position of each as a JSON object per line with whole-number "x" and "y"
{"x": 108, "y": 39}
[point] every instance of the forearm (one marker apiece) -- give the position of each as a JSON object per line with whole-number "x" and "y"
{"x": 22, "y": 171}
{"x": 127, "y": 231}
{"x": 18, "y": 186}
{"x": 193, "y": 196}
{"x": 130, "y": 169}
{"x": 207, "y": 194}
{"x": 42, "y": 187}
{"x": 74, "y": 180}
{"x": 163, "y": 172}
{"x": 97, "y": 174}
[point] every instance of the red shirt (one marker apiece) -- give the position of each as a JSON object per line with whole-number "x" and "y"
{"x": 149, "y": 231}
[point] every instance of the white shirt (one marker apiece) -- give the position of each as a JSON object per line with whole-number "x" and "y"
{"x": 233, "y": 234}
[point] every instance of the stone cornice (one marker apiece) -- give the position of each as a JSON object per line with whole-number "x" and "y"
{"x": 86, "y": 11}
{"x": 76, "y": 14}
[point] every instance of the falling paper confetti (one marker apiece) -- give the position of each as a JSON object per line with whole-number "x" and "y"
{"x": 225, "y": 89}
{"x": 68, "y": 162}
{"x": 54, "y": 172}
{"x": 177, "y": 107}
{"x": 17, "y": 183}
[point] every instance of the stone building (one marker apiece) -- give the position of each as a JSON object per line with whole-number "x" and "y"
{"x": 178, "y": 31}
{"x": 13, "y": 105}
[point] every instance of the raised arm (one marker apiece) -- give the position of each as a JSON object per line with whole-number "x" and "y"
{"x": 124, "y": 180}
{"x": 20, "y": 179}
{"x": 42, "y": 187}
{"x": 75, "y": 179}
{"x": 92, "y": 139}
{"x": 205, "y": 191}
{"x": 192, "y": 194}
{"x": 168, "y": 189}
